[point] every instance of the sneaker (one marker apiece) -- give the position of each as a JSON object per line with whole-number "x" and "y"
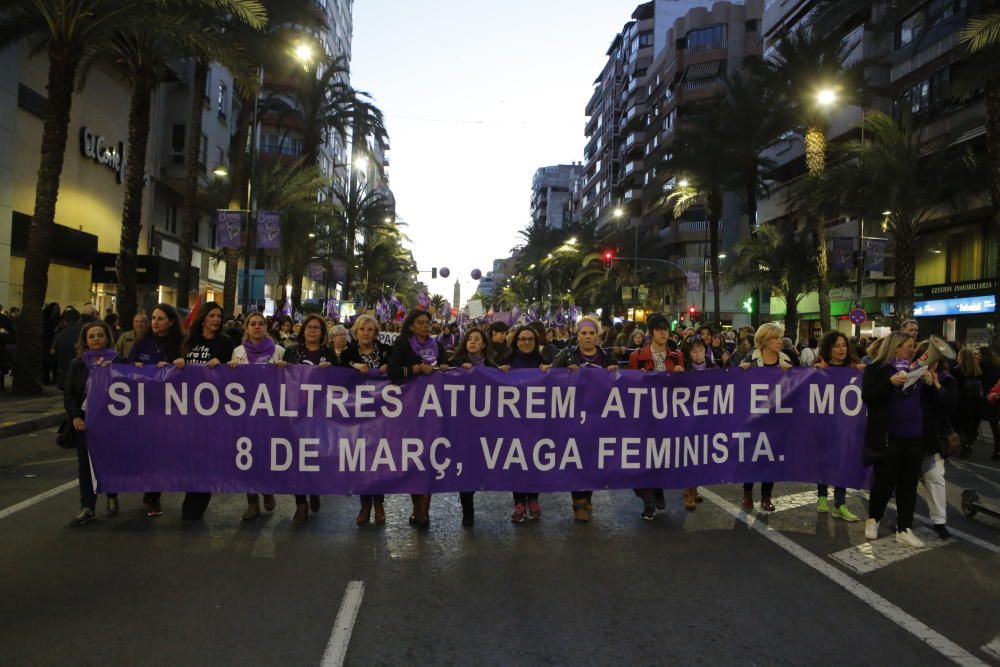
{"x": 85, "y": 516}
{"x": 821, "y": 505}
{"x": 909, "y": 539}
{"x": 747, "y": 503}
{"x": 871, "y": 529}
{"x": 648, "y": 513}
{"x": 942, "y": 531}
{"x": 534, "y": 510}
{"x": 112, "y": 507}
{"x": 518, "y": 514}
{"x": 153, "y": 510}
{"x": 843, "y": 513}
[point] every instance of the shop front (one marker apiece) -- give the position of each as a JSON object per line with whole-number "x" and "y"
{"x": 877, "y": 322}
{"x": 157, "y": 280}
{"x": 961, "y": 312}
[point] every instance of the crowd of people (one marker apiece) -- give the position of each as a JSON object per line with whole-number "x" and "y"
{"x": 912, "y": 425}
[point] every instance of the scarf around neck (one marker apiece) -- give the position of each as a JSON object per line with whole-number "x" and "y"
{"x": 94, "y": 358}
{"x": 427, "y": 351}
{"x": 259, "y": 353}
{"x": 476, "y": 359}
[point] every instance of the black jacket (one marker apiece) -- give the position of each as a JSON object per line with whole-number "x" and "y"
{"x": 353, "y": 353}
{"x": 877, "y": 391}
{"x": 75, "y": 392}
{"x": 571, "y": 357}
{"x": 403, "y": 358}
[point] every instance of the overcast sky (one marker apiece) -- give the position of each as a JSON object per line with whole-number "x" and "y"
{"x": 477, "y": 96}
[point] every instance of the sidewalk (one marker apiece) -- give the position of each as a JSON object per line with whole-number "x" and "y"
{"x": 22, "y": 414}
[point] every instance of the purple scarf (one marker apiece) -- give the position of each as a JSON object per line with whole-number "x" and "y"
{"x": 259, "y": 353}
{"x": 427, "y": 351}
{"x": 476, "y": 359}
{"x": 94, "y": 358}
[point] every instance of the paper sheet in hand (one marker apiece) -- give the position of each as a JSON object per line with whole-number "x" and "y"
{"x": 913, "y": 376}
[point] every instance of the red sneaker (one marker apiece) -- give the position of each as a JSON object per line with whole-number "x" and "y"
{"x": 534, "y": 511}
{"x": 518, "y": 515}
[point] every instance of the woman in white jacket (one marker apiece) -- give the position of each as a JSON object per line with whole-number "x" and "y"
{"x": 257, "y": 348}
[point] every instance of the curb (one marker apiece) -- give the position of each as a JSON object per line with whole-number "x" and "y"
{"x": 33, "y": 424}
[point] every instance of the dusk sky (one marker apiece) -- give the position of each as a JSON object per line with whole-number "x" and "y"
{"x": 477, "y": 96}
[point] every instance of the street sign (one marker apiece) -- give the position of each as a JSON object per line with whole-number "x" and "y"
{"x": 857, "y": 316}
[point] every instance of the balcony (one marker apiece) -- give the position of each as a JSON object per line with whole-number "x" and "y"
{"x": 699, "y": 48}
{"x": 634, "y": 139}
{"x": 704, "y": 84}
{"x": 632, "y": 195}
{"x": 632, "y": 167}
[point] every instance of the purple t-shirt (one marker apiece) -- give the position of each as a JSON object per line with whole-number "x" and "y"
{"x": 906, "y": 413}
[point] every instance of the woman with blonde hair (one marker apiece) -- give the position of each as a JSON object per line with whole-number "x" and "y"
{"x": 766, "y": 353}
{"x": 900, "y": 423}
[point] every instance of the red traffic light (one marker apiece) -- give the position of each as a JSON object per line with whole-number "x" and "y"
{"x": 609, "y": 256}
{"x": 692, "y": 310}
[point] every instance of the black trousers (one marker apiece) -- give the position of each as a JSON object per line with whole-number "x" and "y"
{"x": 766, "y": 489}
{"x": 377, "y": 499}
{"x": 899, "y": 470}
{"x": 582, "y": 495}
{"x": 88, "y": 498}
{"x": 194, "y": 505}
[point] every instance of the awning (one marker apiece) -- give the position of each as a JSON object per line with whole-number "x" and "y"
{"x": 707, "y": 70}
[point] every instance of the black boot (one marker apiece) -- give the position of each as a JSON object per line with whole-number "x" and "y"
{"x": 468, "y": 508}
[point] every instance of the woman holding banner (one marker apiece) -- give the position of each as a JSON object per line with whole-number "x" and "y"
{"x": 585, "y": 354}
{"x": 160, "y": 346}
{"x": 366, "y": 354}
{"x": 527, "y": 353}
{"x": 835, "y": 351}
{"x": 414, "y": 354}
{"x": 95, "y": 350}
{"x": 901, "y": 412}
{"x": 767, "y": 353}
{"x": 311, "y": 349}
{"x": 204, "y": 345}
{"x": 656, "y": 356}
{"x": 472, "y": 352}
{"x": 257, "y": 348}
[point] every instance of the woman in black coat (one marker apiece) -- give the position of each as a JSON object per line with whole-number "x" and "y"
{"x": 416, "y": 353}
{"x": 95, "y": 351}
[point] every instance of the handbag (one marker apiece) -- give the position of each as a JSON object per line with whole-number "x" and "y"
{"x": 949, "y": 444}
{"x": 64, "y": 436}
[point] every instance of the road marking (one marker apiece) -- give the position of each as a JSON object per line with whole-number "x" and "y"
{"x": 992, "y": 649}
{"x": 30, "y": 502}
{"x": 343, "y": 626}
{"x": 870, "y": 556}
{"x": 954, "y": 531}
{"x": 932, "y": 638}
{"x": 42, "y": 463}
{"x": 794, "y": 500}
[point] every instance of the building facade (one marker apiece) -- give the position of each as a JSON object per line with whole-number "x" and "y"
{"x": 551, "y": 195}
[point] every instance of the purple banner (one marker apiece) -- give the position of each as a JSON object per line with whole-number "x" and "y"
{"x": 229, "y": 229}
{"x": 304, "y": 429}
{"x": 269, "y": 230}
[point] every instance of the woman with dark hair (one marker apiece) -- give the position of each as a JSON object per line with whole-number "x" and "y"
{"x": 95, "y": 350}
{"x": 286, "y": 335}
{"x": 160, "y": 346}
{"x": 204, "y": 345}
{"x": 585, "y": 354}
{"x": 416, "y": 353}
{"x": 900, "y": 424}
{"x": 472, "y": 352}
{"x": 526, "y": 354}
{"x": 257, "y": 348}
{"x": 835, "y": 351}
{"x": 366, "y": 354}
{"x": 310, "y": 348}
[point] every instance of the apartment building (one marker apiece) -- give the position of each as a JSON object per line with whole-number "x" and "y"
{"x": 551, "y": 195}
{"x": 914, "y": 62}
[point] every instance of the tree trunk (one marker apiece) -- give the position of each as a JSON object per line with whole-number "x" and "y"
{"x": 715, "y": 213}
{"x": 126, "y": 265}
{"x": 822, "y": 276}
{"x": 993, "y": 151}
{"x": 28, "y": 361}
{"x": 190, "y": 214}
{"x": 792, "y": 316}
{"x": 905, "y": 267}
{"x": 297, "y": 276}
{"x": 238, "y": 178}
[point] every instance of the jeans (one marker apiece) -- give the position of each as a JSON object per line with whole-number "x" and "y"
{"x": 899, "y": 470}
{"x": 839, "y": 494}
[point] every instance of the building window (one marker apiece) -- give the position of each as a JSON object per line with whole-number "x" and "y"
{"x": 702, "y": 39}
{"x": 927, "y": 95}
{"x": 177, "y": 144}
{"x": 645, "y": 39}
{"x": 220, "y": 102}
{"x": 170, "y": 224}
{"x": 931, "y": 14}
{"x": 208, "y": 89}
{"x": 203, "y": 154}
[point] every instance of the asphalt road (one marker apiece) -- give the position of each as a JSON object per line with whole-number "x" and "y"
{"x": 700, "y": 588}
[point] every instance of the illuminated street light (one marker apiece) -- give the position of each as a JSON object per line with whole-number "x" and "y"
{"x": 361, "y": 163}
{"x": 571, "y": 241}
{"x": 618, "y": 212}
{"x": 826, "y": 97}
{"x": 221, "y": 171}
{"x": 722, "y": 255}
{"x": 388, "y": 221}
{"x": 684, "y": 182}
{"x": 304, "y": 53}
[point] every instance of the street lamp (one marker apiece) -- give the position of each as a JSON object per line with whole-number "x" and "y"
{"x": 617, "y": 212}
{"x": 303, "y": 53}
{"x": 826, "y": 97}
{"x": 221, "y": 171}
{"x": 684, "y": 182}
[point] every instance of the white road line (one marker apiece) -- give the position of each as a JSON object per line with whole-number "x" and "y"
{"x": 954, "y": 531}
{"x": 30, "y": 502}
{"x": 992, "y": 649}
{"x": 340, "y": 638}
{"x": 870, "y": 556}
{"x": 932, "y": 638}
{"x": 45, "y": 463}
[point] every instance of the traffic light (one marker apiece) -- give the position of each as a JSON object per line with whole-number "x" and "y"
{"x": 434, "y": 272}
{"x": 609, "y": 257}
{"x": 693, "y": 312}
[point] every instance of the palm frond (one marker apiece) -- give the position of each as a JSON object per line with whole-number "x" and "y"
{"x": 980, "y": 33}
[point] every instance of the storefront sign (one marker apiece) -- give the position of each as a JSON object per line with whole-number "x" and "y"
{"x": 98, "y": 149}
{"x": 969, "y": 287}
{"x": 972, "y": 305}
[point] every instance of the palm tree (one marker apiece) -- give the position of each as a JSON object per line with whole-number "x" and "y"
{"x": 896, "y": 176}
{"x": 781, "y": 260}
{"x": 144, "y": 49}
{"x": 806, "y": 68}
{"x": 70, "y": 31}
{"x": 360, "y": 208}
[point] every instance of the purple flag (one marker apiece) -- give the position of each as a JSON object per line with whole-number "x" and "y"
{"x": 842, "y": 254}
{"x": 316, "y": 272}
{"x": 229, "y": 229}
{"x": 304, "y": 429}
{"x": 269, "y": 230}
{"x": 875, "y": 254}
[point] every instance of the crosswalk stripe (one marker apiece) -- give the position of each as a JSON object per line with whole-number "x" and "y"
{"x": 870, "y": 556}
